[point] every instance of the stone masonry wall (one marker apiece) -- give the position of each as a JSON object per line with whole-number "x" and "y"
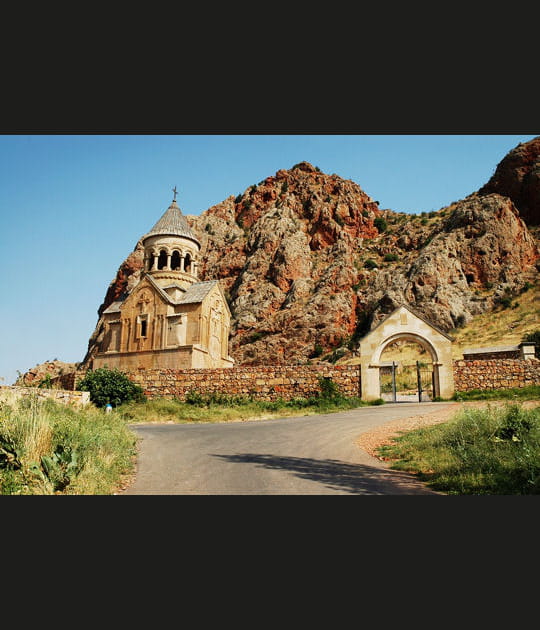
{"x": 291, "y": 381}
{"x": 9, "y": 393}
{"x": 264, "y": 383}
{"x": 495, "y": 374}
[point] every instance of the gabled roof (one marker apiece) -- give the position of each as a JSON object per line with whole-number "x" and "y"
{"x": 197, "y": 292}
{"x": 416, "y": 314}
{"x": 193, "y": 295}
{"x": 164, "y": 295}
{"x": 173, "y": 223}
{"x": 113, "y": 308}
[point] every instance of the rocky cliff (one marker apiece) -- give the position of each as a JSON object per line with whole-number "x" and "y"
{"x": 518, "y": 177}
{"x": 309, "y": 262}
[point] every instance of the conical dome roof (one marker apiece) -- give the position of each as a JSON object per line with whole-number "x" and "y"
{"x": 173, "y": 223}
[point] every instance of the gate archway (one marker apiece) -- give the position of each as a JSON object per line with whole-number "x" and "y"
{"x": 405, "y": 324}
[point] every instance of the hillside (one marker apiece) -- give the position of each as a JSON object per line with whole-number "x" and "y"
{"x": 309, "y": 262}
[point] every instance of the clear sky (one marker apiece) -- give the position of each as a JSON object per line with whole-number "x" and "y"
{"x": 73, "y": 207}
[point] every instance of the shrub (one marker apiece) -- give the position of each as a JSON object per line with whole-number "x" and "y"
{"x": 110, "y": 387}
{"x": 329, "y": 390}
{"x": 391, "y": 257}
{"x": 370, "y": 264}
{"x": 380, "y": 224}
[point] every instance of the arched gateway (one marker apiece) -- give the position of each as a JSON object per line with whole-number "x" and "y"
{"x": 408, "y": 325}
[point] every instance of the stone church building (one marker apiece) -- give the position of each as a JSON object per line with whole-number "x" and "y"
{"x": 169, "y": 319}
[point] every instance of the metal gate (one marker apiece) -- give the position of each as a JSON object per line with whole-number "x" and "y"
{"x": 407, "y": 382}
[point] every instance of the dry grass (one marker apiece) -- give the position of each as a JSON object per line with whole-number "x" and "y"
{"x": 502, "y": 327}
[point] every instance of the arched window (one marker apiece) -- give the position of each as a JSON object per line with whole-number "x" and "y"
{"x": 187, "y": 264}
{"x": 175, "y": 261}
{"x": 162, "y": 260}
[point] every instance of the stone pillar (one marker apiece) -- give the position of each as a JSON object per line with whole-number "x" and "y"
{"x": 168, "y": 267}
{"x": 154, "y": 264}
{"x": 182, "y": 258}
{"x": 526, "y": 349}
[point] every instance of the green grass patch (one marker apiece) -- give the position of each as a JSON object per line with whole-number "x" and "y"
{"x": 49, "y": 448}
{"x": 226, "y": 408}
{"x": 220, "y": 408}
{"x": 478, "y": 451}
{"x": 531, "y": 392}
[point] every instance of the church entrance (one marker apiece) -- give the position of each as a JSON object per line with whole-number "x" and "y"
{"x": 407, "y": 372}
{"x": 406, "y": 358}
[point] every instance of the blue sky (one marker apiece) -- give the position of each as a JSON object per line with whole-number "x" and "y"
{"x": 72, "y": 208}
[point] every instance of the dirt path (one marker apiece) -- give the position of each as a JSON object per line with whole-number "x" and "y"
{"x": 383, "y": 435}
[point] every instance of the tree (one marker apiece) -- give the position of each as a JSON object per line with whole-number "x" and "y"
{"x": 110, "y": 387}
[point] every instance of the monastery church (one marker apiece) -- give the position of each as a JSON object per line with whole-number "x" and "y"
{"x": 169, "y": 319}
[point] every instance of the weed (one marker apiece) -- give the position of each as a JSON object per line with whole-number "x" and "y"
{"x": 478, "y": 451}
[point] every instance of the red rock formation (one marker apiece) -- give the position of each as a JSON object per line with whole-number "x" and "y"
{"x": 307, "y": 272}
{"x": 518, "y": 176}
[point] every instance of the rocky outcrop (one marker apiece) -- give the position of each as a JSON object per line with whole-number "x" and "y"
{"x": 42, "y": 374}
{"x": 309, "y": 262}
{"x": 480, "y": 252}
{"x": 518, "y": 177}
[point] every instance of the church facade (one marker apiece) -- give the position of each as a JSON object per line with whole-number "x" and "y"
{"x": 169, "y": 319}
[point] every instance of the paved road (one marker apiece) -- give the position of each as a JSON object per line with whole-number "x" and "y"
{"x": 302, "y": 455}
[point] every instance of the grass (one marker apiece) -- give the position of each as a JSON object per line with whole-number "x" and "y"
{"x": 49, "y": 448}
{"x": 501, "y": 327}
{"x": 531, "y": 392}
{"x": 488, "y": 451}
{"x": 221, "y": 408}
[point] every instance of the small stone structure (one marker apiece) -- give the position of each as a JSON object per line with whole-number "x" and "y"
{"x": 524, "y": 351}
{"x": 406, "y": 324}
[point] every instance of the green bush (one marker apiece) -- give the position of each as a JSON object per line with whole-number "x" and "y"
{"x": 110, "y": 387}
{"x": 391, "y": 257}
{"x": 380, "y": 224}
{"x": 329, "y": 389}
{"x": 370, "y": 264}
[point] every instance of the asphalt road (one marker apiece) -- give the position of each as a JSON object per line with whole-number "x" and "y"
{"x": 300, "y": 455}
